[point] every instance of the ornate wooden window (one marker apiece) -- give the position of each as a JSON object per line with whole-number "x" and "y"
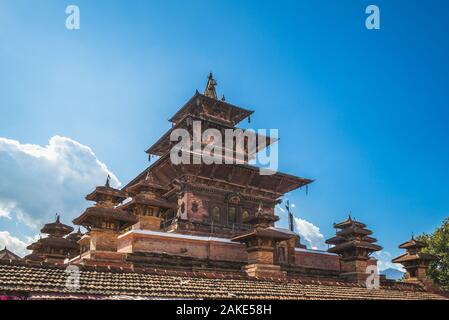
{"x": 216, "y": 214}
{"x": 149, "y": 211}
{"x": 281, "y": 254}
{"x": 108, "y": 225}
{"x": 232, "y": 215}
{"x": 245, "y": 216}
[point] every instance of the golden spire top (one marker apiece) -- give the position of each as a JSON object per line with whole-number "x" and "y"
{"x": 210, "y": 87}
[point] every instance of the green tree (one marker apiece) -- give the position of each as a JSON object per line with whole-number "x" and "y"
{"x": 438, "y": 245}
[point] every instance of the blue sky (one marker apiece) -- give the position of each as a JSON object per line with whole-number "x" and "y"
{"x": 365, "y": 113}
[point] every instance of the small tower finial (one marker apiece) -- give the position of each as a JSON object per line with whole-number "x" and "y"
{"x": 223, "y": 98}
{"x": 108, "y": 181}
{"x": 291, "y": 224}
{"x": 57, "y": 218}
{"x": 210, "y": 87}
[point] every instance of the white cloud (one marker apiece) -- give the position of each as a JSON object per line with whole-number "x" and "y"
{"x": 14, "y": 244}
{"x": 384, "y": 261}
{"x": 310, "y": 233}
{"x": 38, "y": 181}
{"x": 5, "y": 210}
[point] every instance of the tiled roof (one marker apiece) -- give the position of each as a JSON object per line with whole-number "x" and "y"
{"x": 49, "y": 281}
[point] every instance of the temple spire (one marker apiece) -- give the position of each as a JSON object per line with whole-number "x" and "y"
{"x": 290, "y": 217}
{"x": 210, "y": 87}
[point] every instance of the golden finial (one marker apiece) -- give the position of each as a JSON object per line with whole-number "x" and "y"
{"x": 210, "y": 87}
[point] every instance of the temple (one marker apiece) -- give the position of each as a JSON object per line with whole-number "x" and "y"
{"x": 8, "y": 255}
{"x": 196, "y": 230}
{"x": 55, "y": 247}
{"x": 354, "y": 245}
{"x": 415, "y": 261}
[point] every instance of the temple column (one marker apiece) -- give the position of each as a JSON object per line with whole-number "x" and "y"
{"x": 260, "y": 243}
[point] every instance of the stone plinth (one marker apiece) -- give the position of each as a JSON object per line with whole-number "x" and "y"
{"x": 103, "y": 240}
{"x": 260, "y": 255}
{"x": 356, "y": 265}
{"x": 103, "y": 259}
{"x": 264, "y": 271}
{"x": 148, "y": 223}
{"x": 356, "y": 270}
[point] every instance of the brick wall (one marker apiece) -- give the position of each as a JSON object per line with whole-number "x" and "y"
{"x": 202, "y": 249}
{"x": 317, "y": 260}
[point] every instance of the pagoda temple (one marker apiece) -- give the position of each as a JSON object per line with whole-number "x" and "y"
{"x": 354, "y": 244}
{"x": 415, "y": 261}
{"x": 148, "y": 204}
{"x": 8, "y": 255}
{"x": 104, "y": 221}
{"x": 197, "y": 230}
{"x": 55, "y": 247}
{"x": 172, "y": 211}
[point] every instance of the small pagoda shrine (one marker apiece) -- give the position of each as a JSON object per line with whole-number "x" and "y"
{"x": 147, "y": 203}
{"x": 54, "y": 248}
{"x": 415, "y": 261}
{"x": 7, "y": 255}
{"x": 354, "y": 244}
{"x": 261, "y": 243}
{"x": 104, "y": 222}
{"x": 75, "y": 237}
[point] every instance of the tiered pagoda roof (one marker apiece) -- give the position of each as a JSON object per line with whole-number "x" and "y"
{"x": 245, "y": 178}
{"x": 55, "y": 245}
{"x": 56, "y": 229}
{"x": 106, "y": 194}
{"x": 353, "y": 240}
{"x": 262, "y": 229}
{"x": 105, "y": 212}
{"x": 209, "y": 106}
{"x": 212, "y": 113}
{"x": 93, "y": 217}
{"x": 75, "y": 236}
{"x": 414, "y": 254}
{"x": 148, "y": 185}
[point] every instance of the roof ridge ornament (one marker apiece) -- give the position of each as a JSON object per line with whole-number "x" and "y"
{"x": 210, "y": 87}
{"x": 108, "y": 181}
{"x": 290, "y": 216}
